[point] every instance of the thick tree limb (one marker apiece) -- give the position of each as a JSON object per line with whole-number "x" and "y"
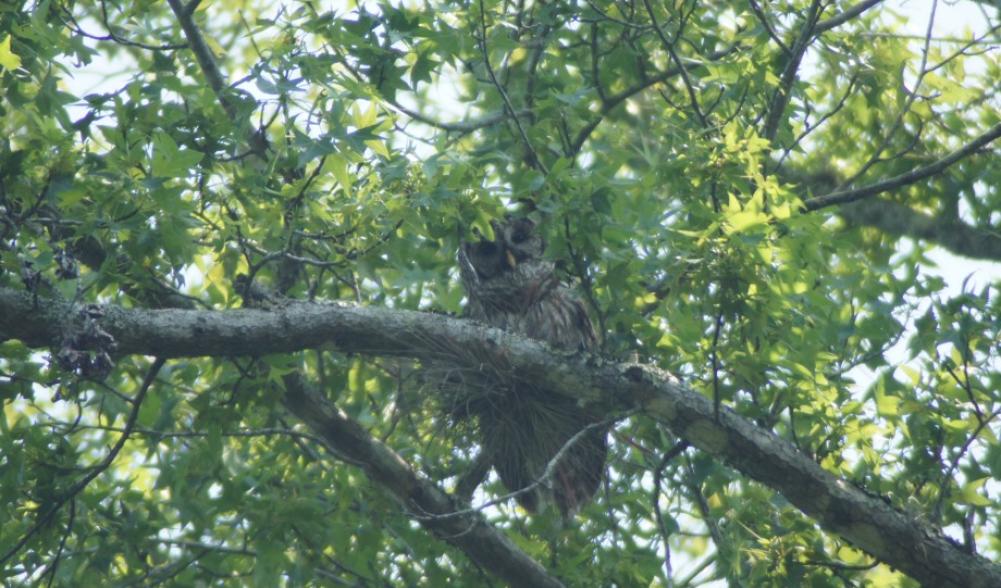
{"x": 867, "y": 521}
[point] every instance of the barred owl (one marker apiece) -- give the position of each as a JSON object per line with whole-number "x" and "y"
{"x": 522, "y": 427}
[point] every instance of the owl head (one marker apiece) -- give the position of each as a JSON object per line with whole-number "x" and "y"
{"x": 515, "y": 242}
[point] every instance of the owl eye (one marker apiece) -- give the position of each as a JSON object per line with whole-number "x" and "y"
{"x": 520, "y": 234}
{"x": 486, "y": 248}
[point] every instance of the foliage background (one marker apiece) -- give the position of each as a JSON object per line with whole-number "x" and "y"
{"x": 340, "y": 152}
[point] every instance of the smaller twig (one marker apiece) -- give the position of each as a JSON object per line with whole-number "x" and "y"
{"x": 966, "y": 46}
{"x": 62, "y": 543}
{"x": 605, "y": 16}
{"x": 847, "y": 15}
{"x": 463, "y": 127}
{"x": 469, "y": 481}
{"x": 911, "y": 97}
{"x": 780, "y": 100}
{"x": 669, "y": 46}
{"x": 111, "y": 36}
{"x": 965, "y": 385}
{"x": 824, "y": 118}
{"x": 585, "y": 279}
{"x": 701, "y": 567}
{"x": 208, "y": 547}
{"x": 536, "y": 160}
{"x": 130, "y": 423}
{"x": 262, "y": 432}
{"x": 768, "y": 27}
{"x": 615, "y": 100}
{"x": 703, "y": 505}
{"x": 947, "y": 476}
{"x": 542, "y": 480}
{"x": 595, "y": 74}
{"x": 969, "y": 536}
{"x": 837, "y": 565}
{"x": 717, "y": 327}
{"x": 658, "y": 474}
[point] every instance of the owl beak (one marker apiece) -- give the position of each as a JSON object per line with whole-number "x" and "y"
{"x": 511, "y": 261}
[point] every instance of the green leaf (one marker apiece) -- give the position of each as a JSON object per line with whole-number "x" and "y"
{"x": 8, "y": 59}
{"x": 171, "y": 162}
{"x": 338, "y": 166}
{"x": 887, "y": 406}
{"x": 744, "y": 220}
{"x": 970, "y": 493}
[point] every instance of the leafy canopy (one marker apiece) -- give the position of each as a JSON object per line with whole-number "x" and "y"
{"x": 672, "y": 151}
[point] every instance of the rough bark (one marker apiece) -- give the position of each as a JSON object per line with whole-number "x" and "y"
{"x": 867, "y": 521}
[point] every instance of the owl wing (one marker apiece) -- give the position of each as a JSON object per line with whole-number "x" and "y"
{"x": 588, "y": 338}
{"x": 560, "y": 320}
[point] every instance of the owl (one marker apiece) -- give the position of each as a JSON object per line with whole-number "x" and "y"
{"x": 522, "y": 426}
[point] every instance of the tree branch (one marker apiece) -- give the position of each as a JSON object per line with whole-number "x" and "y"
{"x": 96, "y": 470}
{"x": 210, "y": 70}
{"x": 616, "y": 99}
{"x": 900, "y": 220}
{"x": 847, "y": 15}
{"x": 763, "y": 19}
{"x": 783, "y": 93}
{"x": 508, "y": 106}
{"x": 905, "y": 109}
{"x": 867, "y": 521}
{"x": 462, "y": 126}
{"x": 844, "y": 196}
{"x": 423, "y": 500}
{"x": 669, "y": 47}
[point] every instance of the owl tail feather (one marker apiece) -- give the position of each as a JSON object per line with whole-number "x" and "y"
{"x": 525, "y": 432}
